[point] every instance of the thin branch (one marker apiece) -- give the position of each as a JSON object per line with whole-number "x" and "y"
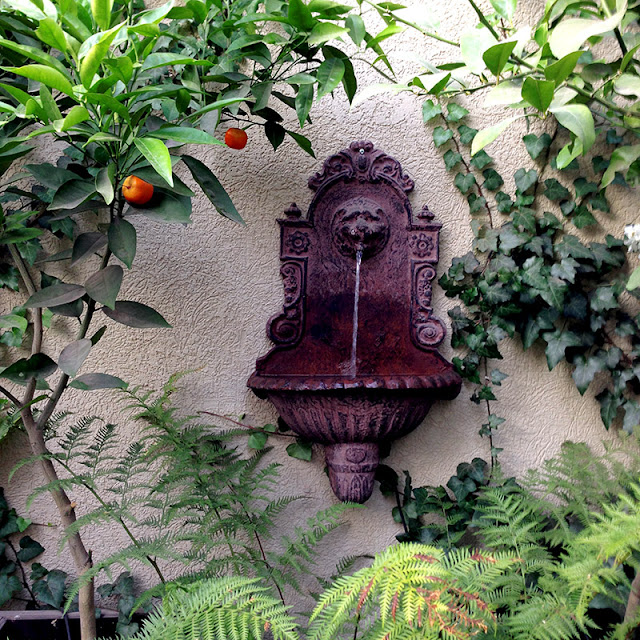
{"x": 11, "y": 397}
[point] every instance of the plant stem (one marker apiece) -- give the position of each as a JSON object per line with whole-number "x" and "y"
{"x": 483, "y": 19}
{"x": 22, "y": 571}
{"x": 633, "y": 603}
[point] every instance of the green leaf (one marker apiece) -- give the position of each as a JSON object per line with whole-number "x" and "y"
{"x": 73, "y": 355}
{"x": 95, "y": 56}
{"x": 104, "y": 183}
{"x": 55, "y": 295}
{"x": 634, "y": 280}
{"x": 631, "y": 416}
{"x": 451, "y": 159}
{"x": 76, "y": 115}
{"x": 38, "y": 55}
{"x": 38, "y": 366}
{"x": 505, "y": 8}
{"x": 101, "y": 10}
{"x": 603, "y": 299}
{"x": 355, "y": 24}
{"x": 104, "y": 285}
{"x": 430, "y": 110}
{"x": 300, "y": 449}
{"x": 609, "y": 405}
{"x": 167, "y": 208}
{"x": 473, "y": 45}
{"x": 464, "y": 182}
{"x": 9, "y": 587}
{"x": 481, "y": 160}
{"x": 455, "y": 112}
{"x": 538, "y": 93}
{"x": 578, "y": 119}
{"x": 122, "y": 240}
{"x": 257, "y": 440}
{"x": 329, "y": 75}
{"x": 585, "y": 371}
{"x": 41, "y": 73}
{"x": 51, "y": 33}
{"x": 185, "y": 135}
{"x": 525, "y": 180}
{"x": 560, "y": 70}
{"x": 557, "y": 343}
{"x": 536, "y": 145}
{"x": 303, "y": 142}
{"x": 555, "y": 191}
{"x": 72, "y": 194}
{"x": 137, "y": 315}
{"x": 299, "y": 15}
{"x": 157, "y": 154}
{"x": 627, "y": 85}
{"x": 497, "y": 56}
{"x": 157, "y": 60}
{"x": 467, "y": 134}
{"x": 621, "y": 159}
{"x": 50, "y": 589}
{"x": 627, "y": 58}
{"x": 488, "y": 135}
{"x": 303, "y": 102}
{"x": 493, "y": 180}
{"x": 212, "y": 188}
{"x": 12, "y": 321}
{"x": 441, "y": 136}
{"x": 324, "y": 31}
{"x": 29, "y": 549}
{"x": 86, "y": 244}
{"x": 571, "y": 33}
{"x": 93, "y": 381}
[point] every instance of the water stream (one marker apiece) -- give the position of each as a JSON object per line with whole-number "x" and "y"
{"x": 356, "y": 300}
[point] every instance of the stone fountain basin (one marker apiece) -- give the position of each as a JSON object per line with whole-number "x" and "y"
{"x": 352, "y": 416}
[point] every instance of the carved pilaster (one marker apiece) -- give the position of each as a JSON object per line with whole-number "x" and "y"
{"x": 286, "y": 328}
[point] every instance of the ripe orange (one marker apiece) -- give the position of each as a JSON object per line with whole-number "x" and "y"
{"x": 235, "y": 138}
{"x": 136, "y": 191}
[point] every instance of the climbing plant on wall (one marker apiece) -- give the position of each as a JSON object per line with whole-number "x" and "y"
{"x": 530, "y": 273}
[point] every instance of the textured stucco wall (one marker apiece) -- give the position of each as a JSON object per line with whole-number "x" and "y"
{"x": 218, "y": 283}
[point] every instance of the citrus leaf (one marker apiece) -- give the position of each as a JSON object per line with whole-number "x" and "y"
{"x": 73, "y": 355}
{"x": 578, "y": 119}
{"x": 93, "y": 381}
{"x": 488, "y": 135}
{"x": 329, "y": 75}
{"x": 185, "y": 135}
{"x": 72, "y": 194}
{"x": 101, "y": 10}
{"x": 104, "y": 285}
{"x": 86, "y": 244}
{"x": 104, "y": 183}
{"x": 621, "y": 160}
{"x": 497, "y": 56}
{"x": 38, "y": 366}
{"x": 137, "y": 315}
{"x": 41, "y": 73}
{"x": 55, "y": 295}
{"x": 157, "y": 155}
{"x": 212, "y": 188}
{"x": 538, "y": 93}
{"x": 560, "y": 70}
{"x": 122, "y": 240}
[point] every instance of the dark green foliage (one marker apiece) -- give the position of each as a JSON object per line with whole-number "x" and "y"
{"x": 185, "y": 498}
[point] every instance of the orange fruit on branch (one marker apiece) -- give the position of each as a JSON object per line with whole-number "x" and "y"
{"x": 235, "y": 138}
{"x": 136, "y": 191}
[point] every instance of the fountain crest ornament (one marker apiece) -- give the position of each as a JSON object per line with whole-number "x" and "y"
{"x": 355, "y": 361}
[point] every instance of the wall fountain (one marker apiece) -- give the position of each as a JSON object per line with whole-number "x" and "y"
{"x": 355, "y": 361}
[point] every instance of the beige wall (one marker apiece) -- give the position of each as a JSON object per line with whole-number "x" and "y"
{"x": 218, "y": 283}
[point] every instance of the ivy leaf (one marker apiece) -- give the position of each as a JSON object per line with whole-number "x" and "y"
{"x": 584, "y": 187}
{"x": 497, "y": 377}
{"x": 464, "y": 182}
{"x": 481, "y": 160}
{"x": 536, "y": 145}
{"x": 430, "y": 110}
{"x": 571, "y": 246}
{"x": 9, "y": 277}
{"x": 555, "y": 191}
{"x": 9, "y": 587}
{"x": 300, "y": 449}
{"x": 476, "y": 202}
{"x": 525, "y": 180}
{"x": 576, "y": 307}
{"x": 467, "y": 134}
{"x": 557, "y": 343}
{"x": 609, "y": 405}
{"x": 631, "y": 415}
{"x": 534, "y": 273}
{"x": 441, "y": 136}
{"x": 493, "y": 181}
{"x": 554, "y": 293}
{"x": 583, "y": 218}
{"x": 585, "y": 370}
{"x": 603, "y": 299}
{"x": 451, "y": 159}
{"x": 565, "y": 269}
{"x": 136, "y": 314}
{"x": 50, "y": 589}
{"x": 257, "y": 440}
{"x": 455, "y": 112}
{"x": 504, "y": 202}
{"x": 29, "y": 549}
